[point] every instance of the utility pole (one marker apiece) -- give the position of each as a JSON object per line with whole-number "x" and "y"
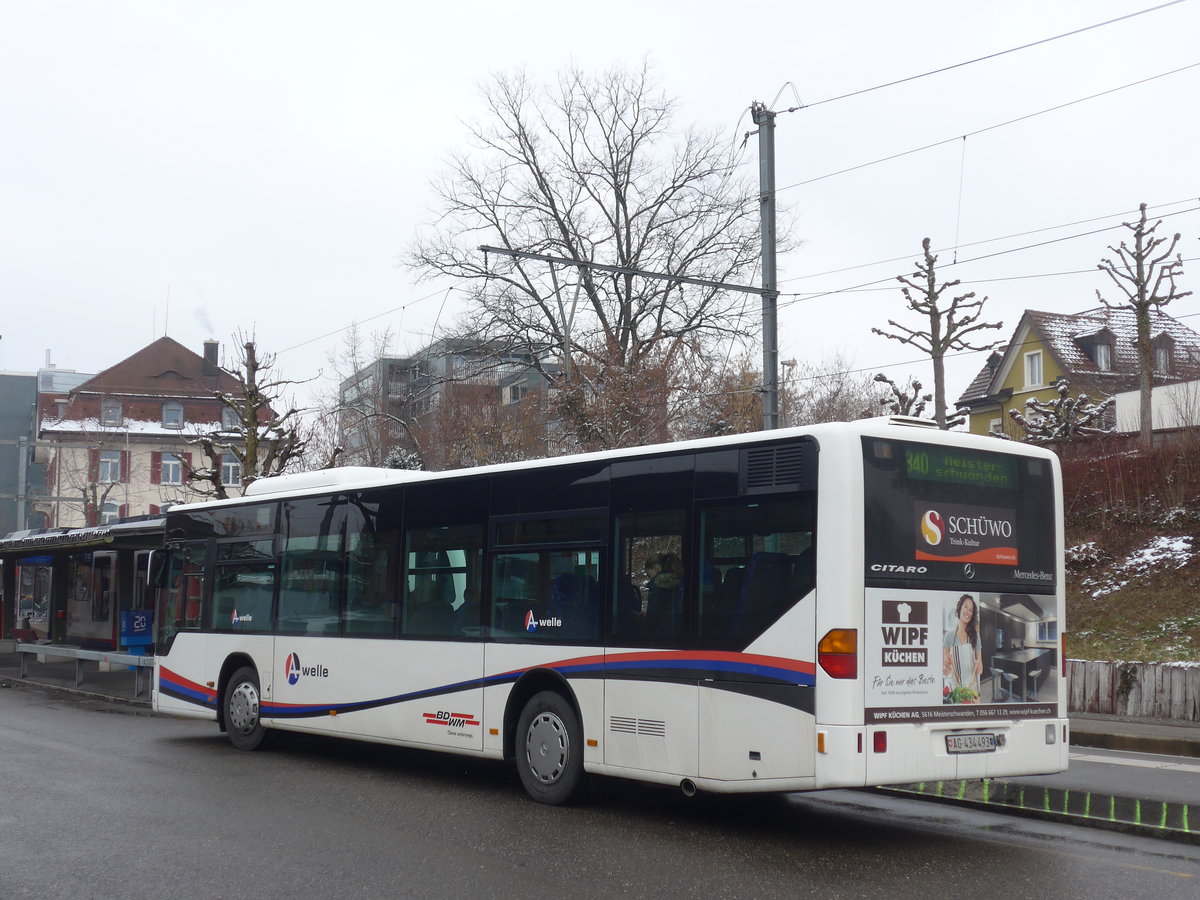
{"x": 765, "y": 120}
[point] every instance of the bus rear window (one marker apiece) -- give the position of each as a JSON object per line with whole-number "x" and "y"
{"x": 936, "y": 513}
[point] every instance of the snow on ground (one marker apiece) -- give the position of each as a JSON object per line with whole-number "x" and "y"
{"x": 1160, "y": 553}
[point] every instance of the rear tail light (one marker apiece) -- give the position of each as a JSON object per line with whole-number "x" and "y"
{"x": 1062, "y": 652}
{"x": 879, "y": 741}
{"x": 837, "y": 653}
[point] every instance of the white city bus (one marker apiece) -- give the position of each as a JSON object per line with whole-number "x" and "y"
{"x": 842, "y": 605}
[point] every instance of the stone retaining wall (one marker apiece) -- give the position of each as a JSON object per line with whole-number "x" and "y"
{"x": 1149, "y": 690}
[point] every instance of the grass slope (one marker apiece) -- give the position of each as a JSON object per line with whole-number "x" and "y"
{"x": 1133, "y": 557}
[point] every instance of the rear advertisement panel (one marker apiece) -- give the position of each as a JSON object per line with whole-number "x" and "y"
{"x": 960, "y": 656}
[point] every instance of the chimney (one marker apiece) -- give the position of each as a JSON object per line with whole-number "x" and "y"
{"x": 210, "y": 357}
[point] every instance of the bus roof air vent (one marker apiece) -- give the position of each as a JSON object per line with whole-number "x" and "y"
{"x": 912, "y": 421}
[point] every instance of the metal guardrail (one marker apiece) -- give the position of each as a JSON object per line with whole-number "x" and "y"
{"x": 80, "y": 656}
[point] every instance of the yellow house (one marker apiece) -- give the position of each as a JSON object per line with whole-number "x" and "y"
{"x": 1093, "y": 350}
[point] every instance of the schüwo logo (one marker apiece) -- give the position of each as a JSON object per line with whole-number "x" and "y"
{"x": 933, "y": 529}
{"x": 292, "y": 669}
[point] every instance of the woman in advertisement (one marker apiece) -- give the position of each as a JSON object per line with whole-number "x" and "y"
{"x": 962, "y": 661}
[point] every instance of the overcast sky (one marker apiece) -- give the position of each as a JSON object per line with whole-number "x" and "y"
{"x": 201, "y": 168}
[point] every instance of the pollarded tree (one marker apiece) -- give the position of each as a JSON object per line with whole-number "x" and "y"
{"x": 907, "y": 400}
{"x": 595, "y": 170}
{"x": 1145, "y": 274}
{"x": 946, "y": 326}
{"x": 254, "y": 440}
{"x": 1064, "y": 418}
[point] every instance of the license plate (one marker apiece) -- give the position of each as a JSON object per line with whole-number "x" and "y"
{"x": 970, "y": 743}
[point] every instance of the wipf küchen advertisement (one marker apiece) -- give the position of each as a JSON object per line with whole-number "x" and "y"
{"x": 959, "y": 655}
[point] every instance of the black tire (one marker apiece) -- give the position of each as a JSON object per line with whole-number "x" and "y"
{"x": 241, "y": 710}
{"x": 549, "y": 749}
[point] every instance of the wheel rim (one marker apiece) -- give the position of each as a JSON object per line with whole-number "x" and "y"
{"x": 243, "y": 708}
{"x": 547, "y": 747}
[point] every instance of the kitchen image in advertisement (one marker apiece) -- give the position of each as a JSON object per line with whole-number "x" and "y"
{"x": 960, "y": 655}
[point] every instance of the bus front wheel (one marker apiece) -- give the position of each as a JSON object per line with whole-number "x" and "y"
{"x": 550, "y": 749}
{"x": 242, "y": 711}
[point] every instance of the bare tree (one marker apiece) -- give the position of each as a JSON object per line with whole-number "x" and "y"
{"x": 946, "y": 327}
{"x": 829, "y": 391}
{"x": 356, "y": 421}
{"x": 809, "y": 394}
{"x": 263, "y": 442}
{"x": 1145, "y": 274}
{"x": 1064, "y": 418}
{"x": 728, "y": 402}
{"x": 594, "y": 169}
{"x": 471, "y": 425}
{"x": 907, "y": 400}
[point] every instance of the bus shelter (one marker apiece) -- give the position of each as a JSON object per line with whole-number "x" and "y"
{"x": 71, "y": 586}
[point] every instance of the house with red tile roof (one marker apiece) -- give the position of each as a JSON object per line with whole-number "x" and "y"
{"x": 1093, "y": 350}
{"x": 121, "y": 442}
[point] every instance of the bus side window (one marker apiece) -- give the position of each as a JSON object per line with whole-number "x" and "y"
{"x": 763, "y": 552}
{"x": 441, "y": 582}
{"x": 370, "y": 572}
{"x": 547, "y": 595}
{"x": 311, "y": 565}
{"x": 651, "y": 577}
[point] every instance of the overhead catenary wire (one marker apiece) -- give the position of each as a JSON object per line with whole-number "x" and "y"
{"x": 995, "y": 55}
{"x": 988, "y": 128}
{"x": 888, "y": 280}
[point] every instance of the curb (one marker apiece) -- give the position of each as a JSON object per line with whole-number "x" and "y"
{"x": 9, "y": 682}
{"x": 1138, "y": 743}
{"x": 1178, "y": 822}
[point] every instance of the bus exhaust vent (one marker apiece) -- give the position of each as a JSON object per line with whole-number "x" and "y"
{"x": 773, "y": 467}
{"x": 631, "y": 725}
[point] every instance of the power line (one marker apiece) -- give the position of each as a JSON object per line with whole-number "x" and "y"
{"x": 1005, "y": 237}
{"x": 988, "y": 128}
{"x": 796, "y": 298}
{"x": 386, "y": 312}
{"x": 969, "y": 62}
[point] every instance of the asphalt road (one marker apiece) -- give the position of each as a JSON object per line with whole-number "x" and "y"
{"x": 106, "y": 800}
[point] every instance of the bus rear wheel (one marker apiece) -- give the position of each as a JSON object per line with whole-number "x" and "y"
{"x": 242, "y": 711}
{"x": 550, "y": 749}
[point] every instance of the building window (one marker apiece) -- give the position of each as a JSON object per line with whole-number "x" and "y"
{"x": 231, "y": 469}
{"x": 1104, "y": 357}
{"x": 1162, "y": 360}
{"x": 109, "y": 513}
{"x": 110, "y": 412}
{"x": 1033, "y": 369}
{"x": 230, "y": 419}
{"x": 172, "y": 469}
{"x": 109, "y": 470}
{"x": 996, "y": 426}
{"x": 172, "y": 416}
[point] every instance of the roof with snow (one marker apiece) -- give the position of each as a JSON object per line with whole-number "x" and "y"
{"x": 164, "y": 368}
{"x": 1071, "y": 338}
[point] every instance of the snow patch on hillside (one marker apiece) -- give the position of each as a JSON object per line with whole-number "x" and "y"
{"x": 1159, "y": 554}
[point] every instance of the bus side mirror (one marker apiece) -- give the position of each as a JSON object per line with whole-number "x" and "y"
{"x": 158, "y": 567}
